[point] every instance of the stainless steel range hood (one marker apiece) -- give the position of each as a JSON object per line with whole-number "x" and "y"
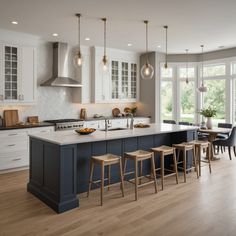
{"x": 60, "y": 68}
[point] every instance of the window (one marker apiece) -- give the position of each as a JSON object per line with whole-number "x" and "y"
{"x": 183, "y": 72}
{"x": 187, "y": 101}
{"x": 166, "y": 73}
{"x": 215, "y": 97}
{"x": 166, "y": 100}
{"x": 214, "y": 70}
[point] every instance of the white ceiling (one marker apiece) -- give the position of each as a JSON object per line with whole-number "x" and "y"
{"x": 191, "y": 22}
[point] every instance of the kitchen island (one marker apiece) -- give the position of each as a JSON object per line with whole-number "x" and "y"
{"x": 59, "y": 161}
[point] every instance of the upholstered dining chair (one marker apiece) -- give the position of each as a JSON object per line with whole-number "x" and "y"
{"x": 228, "y": 142}
{"x": 169, "y": 122}
{"x": 223, "y": 136}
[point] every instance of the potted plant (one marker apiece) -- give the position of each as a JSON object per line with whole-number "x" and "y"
{"x": 208, "y": 113}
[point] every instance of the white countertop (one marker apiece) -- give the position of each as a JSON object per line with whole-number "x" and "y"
{"x": 71, "y": 137}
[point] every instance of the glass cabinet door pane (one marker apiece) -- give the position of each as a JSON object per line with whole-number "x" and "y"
{"x": 133, "y": 80}
{"x": 10, "y": 76}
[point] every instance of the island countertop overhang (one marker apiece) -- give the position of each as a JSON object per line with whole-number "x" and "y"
{"x": 71, "y": 137}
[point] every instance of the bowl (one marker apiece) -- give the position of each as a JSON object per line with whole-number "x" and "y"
{"x": 85, "y": 131}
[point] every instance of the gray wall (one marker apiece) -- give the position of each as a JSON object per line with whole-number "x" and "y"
{"x": 225, "y": 53}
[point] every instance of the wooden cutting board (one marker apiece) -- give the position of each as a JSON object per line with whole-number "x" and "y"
{"x": 11, "y": 117}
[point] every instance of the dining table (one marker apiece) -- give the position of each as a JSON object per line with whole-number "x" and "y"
{"x": 212, "y": 135}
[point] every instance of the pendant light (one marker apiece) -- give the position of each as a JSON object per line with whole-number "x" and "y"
{"x": 147, "y": 70}
{"x": 166, "y": 29}
{"x": 202, "y": 88}
{"x": 78, "y": 57}
{"x": 187, "y": 66}
{"x": 105, "y": 62}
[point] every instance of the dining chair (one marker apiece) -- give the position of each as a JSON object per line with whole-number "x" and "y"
{"x": 228, "y": 142}
{"x": 184, "y": 123}
{"x": 223, "y": 136}
{"x": 169, "y": 122}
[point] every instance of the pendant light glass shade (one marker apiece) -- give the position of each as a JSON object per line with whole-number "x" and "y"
{"x": 166, "y": 28}
{"x": 187, "y": 66}
{"x": 78, "y": 57}
{"x": 202, "y": 88}
{"x": 147, "y": 70}
{"x": 105, "y": 61}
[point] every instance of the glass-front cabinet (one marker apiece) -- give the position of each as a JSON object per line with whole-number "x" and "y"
{"x": 10, "y": 73}
{"x": 17, "y": 74}
{"x": 123, "y": 80}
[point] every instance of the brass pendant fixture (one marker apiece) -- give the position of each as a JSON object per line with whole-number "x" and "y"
{"x": 105, "y": 62}
{"x": 147, "y": 70}
{"x": 202, "y": 88}
{"x": 166, "y": 29}
{"x": 78, "y": 57}
{"x": 187, "y": 66}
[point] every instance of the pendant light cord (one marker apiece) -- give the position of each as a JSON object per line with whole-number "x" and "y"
{"x": 105, "y": 35}
{"x": 202, "y": 65}
{"x": 78, "y": 15}
{"x": 187, "y": 65}
{"x": 166, "y": 28}
{"x": 146, "y": 23}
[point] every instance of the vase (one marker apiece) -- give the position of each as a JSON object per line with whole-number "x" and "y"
{"x": 209, "y": 123}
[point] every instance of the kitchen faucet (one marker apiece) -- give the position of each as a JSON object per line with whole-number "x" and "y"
{"x": 107, "y": 121}
{"x": 132, "y": 122}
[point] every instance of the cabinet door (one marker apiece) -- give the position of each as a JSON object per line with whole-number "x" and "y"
{"x": 28, "y": 86}
{"x": 10, "y": 73}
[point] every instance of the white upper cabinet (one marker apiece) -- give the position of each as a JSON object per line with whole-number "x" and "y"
{"x": 17, "y": 74}
{"x": 120, "y": 83}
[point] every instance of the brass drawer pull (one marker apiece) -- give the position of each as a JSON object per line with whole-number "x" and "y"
{"x": 11, "y": 145}
{"x": 12, "y": 134}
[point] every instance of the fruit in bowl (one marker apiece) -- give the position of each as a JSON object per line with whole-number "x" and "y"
{"x": 85, "y": 131}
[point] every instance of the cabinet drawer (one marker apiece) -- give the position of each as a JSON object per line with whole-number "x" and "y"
{"x": 11, "y": 145}
{"x": 41, "y": 130}
{"x": 15, "y": 160}
{"x": 13, "y": 134}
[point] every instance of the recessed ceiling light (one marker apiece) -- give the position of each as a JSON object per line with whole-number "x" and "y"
{"x": 129, "y": 44}
{"x": 55, "y": 34}
{"x": 159, "y": 46}
{"x": 14, "y": 22}
{"x": 87, "y": 38}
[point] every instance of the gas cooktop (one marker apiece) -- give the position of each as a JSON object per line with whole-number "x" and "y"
{"x": 66, "y": 124}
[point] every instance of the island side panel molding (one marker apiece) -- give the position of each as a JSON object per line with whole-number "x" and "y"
{"x": 55, "y": 168}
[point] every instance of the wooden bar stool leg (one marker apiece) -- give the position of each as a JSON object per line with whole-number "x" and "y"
{"x": 199, "y": 156}
{"x": 162, "y": 170}
{"x": 184, "y": 163}
{"x": 121, "y": 179}
{"x": 136, "y": 179}
{"x": 102, "y": 182}
{"x": 154, "y": 172}
{"x": 195, "y": 162}
{"x": 175, "y": 167}
{"x": 141, "y": 171}
{"x": 109, "y": 177}
{"x": 90, "y": 177}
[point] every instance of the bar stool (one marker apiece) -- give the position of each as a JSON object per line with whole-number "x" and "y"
{"x": 102, "y": 161}
{"x": 164, "y": 151}
{"x": 199, "y": 145}
{"x": 139, "y": 156}
{"x": 185, "y": 147}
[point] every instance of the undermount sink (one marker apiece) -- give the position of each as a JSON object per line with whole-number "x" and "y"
{"x": 114, "y": 129}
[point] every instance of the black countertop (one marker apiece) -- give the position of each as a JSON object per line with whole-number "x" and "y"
{"x": 27, "y": 126}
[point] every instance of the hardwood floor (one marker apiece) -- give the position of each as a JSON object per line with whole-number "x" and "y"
{"x": 205, "y": 206}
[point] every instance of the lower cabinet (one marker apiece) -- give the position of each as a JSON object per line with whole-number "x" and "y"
{"x": 14, "y": 147}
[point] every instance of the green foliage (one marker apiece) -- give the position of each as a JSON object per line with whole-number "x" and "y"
{"x": 133, "y": 110}
{"x": 208, "y": 112}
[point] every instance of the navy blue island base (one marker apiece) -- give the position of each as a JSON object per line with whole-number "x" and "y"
{"x": 58, "y": 173}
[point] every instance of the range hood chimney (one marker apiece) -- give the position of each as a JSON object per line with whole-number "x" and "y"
{"x": 60, "y": 68}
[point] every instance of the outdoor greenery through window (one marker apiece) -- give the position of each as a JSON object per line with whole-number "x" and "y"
{"x": 215, "y": 97}
{"x": 166, "y": 100}
{"x": 214, "y": 70}
{"x": 187, "y": 101}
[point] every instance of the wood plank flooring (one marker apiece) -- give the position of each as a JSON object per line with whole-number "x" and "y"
{"x": 199, "y": 207}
